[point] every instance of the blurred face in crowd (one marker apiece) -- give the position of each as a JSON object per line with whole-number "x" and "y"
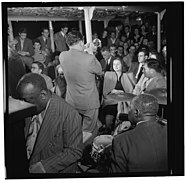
{"x": 136, "y": 31}
{"x": 45, "y": 33}
{"x": 106, "y": 55}
{"x": 151, "y": 44}
{"x": 23, "y": 35}
{"x": 125, "y": 46}
{"x": 113, "y": 35}
{"x": 126, "y": 29}
{"x": 117, "y": 66}
{"x": 153, "y": 28}
{"x": 37, "y": 46}
{"x": 95, "y": 36}
{"x": 143, "y": 28}
{"x": 145, "y": 42}
{"x": 105, "y": 33}
{"x": 123, "y": 38}
{"x": 132, "y": 49}
{"x": 120, "y": 50}
{"x": 164, "y": 51}
{"x": 141, "y": 57}
{"x": 113, "y": 50}
{"x": 35, "y": 69}
{"x": 120, "y": 27}
{"x": 64, "y": 30}
{"x": 136, "y": 45}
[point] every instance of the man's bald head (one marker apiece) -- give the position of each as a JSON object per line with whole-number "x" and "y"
{"x": 32, "y": 88}
{"x": 145, "y": 103}
{"x": 32, "y": 80}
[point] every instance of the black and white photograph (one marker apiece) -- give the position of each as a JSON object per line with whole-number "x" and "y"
{"x": 93, "y": 89}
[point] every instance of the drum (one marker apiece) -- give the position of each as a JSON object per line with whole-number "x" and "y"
{"x": 100, "y": 143}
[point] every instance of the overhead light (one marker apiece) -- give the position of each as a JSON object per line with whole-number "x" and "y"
{"x": 124, "y": 7}
{"x": 138, "y": 19}
{"x": 80, "y": 8}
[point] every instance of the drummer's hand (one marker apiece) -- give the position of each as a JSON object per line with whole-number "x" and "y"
{"x": 114, "y": 91}
{"x": 124, "y": 126}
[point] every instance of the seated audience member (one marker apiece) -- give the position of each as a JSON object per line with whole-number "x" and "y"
{"x": 144, "y": 148}
{"x": 144, "y": 44}
{"x": 137, "y": 67}
{"x": 120, "y": 52}
{"x": 112, "y": 39}
{"x": 116, "y": 81}
{"x": 113, "y": 50}
{"x": 136, "y": 38}
{"x": 119, "y": 30}
{"x": 122, "y": 40}
{"x": 125, "y": 49}
{"x": 143, "y": 31}
{"x": 46, "y": 44}
{"x": 164, "y": 53}
{"x": 152, "y": 79}
{"x": 38, "y": 67}
{"x": 106, "y": 62}
{"x": 24, "y": 48}
{"x": 54, "y": 135}
{"x": 129, "y": 58}
{"x": 39, "y": 55}
{"x": 16, "y": 69}
{"x": 104, "y": 38}
{"x": 127, "y": 33}
{"x": 94, "y": 36}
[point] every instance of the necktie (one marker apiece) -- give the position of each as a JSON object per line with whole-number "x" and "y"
{"x": 33, "y": 131}
{"x": 140, "y": 73}
{"x": 46, "y": 42}
{"x": 144, "y": 86}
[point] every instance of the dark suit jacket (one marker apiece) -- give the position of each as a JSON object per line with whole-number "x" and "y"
{"x": 27, "y": 46}
{"x": 105, "y": 66}
{"x": 59, "y": 143}
{"x": 143, "y": 149}
{"x": 109, "y": 42}
{"x": 60, "y": 42}
{"x": 43, "y": 45}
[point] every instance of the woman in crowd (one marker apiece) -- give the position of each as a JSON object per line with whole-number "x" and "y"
{"x": 125, "y": 49}
{"x": 115, "y": 81}
{"x": 136, "y": 36}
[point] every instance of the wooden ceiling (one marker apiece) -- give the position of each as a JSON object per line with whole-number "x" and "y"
{"x": 76, "y": 13}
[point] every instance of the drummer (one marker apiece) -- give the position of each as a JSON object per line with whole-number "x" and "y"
{"x": 116, "y": 81}
{"x": 144, "y": 148}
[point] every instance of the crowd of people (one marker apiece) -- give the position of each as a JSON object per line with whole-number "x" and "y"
{"x": 72, "y": 88}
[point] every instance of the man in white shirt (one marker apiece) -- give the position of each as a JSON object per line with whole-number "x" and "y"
{"x": 152, "y": 77}
{"x": 38, "y": 68}
{"x": 143, "y": 55}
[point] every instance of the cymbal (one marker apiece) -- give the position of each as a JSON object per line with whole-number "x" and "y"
{"x": 121, "y": 97}
{"x": 160, "y": 94}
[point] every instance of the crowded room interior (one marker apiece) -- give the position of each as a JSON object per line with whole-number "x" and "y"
{"x": 87, "y": 91}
